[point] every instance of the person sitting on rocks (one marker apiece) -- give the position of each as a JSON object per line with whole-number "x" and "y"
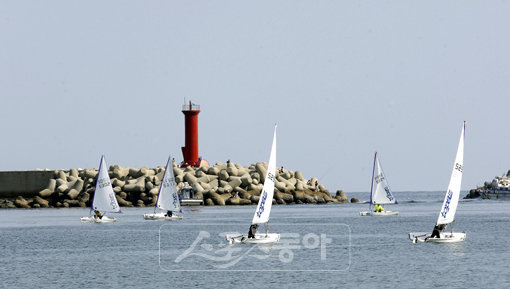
{"x": 99, "y": 214}
{"x": 168, "y": 214}
{"x": 379, "y": 208}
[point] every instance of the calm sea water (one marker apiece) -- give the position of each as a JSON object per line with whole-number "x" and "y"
{"x": 322, "y": 246}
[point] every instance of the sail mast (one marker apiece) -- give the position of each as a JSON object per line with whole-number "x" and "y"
{"x": 159, "y": 202}
{"x": 372, "y": 186}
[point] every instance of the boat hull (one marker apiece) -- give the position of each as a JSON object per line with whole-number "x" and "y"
{"x": 259, "y": 239}
{"x": 379, "y": 214}
{"x": 161, "y": 216}
{"x": 92, "y": 219}
{"x": 444, "y": 237}
{"x": 191, "y": 202}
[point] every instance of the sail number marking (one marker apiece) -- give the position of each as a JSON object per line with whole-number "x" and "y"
{"x": 458, "y": 167}
{"x": 103, "y": 183}
{"x": 113, "y": 202}
{"x": 379, "y": 178}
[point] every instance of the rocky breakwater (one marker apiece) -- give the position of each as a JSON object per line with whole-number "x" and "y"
{"x": 499, "y": 187}
{"x": 221, "y": 184}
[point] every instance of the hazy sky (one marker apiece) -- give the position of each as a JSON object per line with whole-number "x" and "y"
{"x": 341, "y": 78}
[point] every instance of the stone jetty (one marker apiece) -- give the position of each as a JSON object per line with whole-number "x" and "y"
{"x": 220, "y": 185}
{"x": 498, "y": 188}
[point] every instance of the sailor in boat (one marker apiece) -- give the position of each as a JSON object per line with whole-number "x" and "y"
{"x": 379, "y": 208}
{"x": 252, "y": 231}
{"x": 99, "y": 214}
{"x": 437, "y": 230}
{"x": 168, "y": 214}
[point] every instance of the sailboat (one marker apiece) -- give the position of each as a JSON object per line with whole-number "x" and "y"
{"x": 449, "y": 207}
{"x": 104, "y": 197}
{"x": 263, "y": 210}
{"x": 168, "y": 201}
{"x": 380, "y": 193}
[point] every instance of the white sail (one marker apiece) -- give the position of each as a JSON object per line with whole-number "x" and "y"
{"x": 263, "y": 210}
{"x": 381, "y": 192}
{"x": 104, "y": 196}
{"x": 168, "y": 199}
{"x": 451, "y": 199}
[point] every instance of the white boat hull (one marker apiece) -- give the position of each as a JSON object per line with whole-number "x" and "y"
{"x": 379, "y": 214}
{"x": 259, "y": 238}
{"x": 93, "y": 219}
{"x": 191, "y": 202}
{"x": 444, "y": 237}
{"x": 161, "y": 216}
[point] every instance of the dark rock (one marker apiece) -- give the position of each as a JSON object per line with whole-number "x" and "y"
{"x": 49, "y": 190}
{"x": 20, "y": 202}
{"x": 286, "y": 198}
{"x": 123, "y": 202}
{"x": 41, "y": 202}
{"x": 85, "y": 197}
{"x": 341, "y": 196}
{"x": 7, "y": 204}
{"x": 217, "y": 199}
{"x": 209, "y": 202}
{"x": 71, "y": 203}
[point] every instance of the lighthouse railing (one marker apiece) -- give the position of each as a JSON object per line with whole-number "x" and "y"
{"x": 191, "y": 107}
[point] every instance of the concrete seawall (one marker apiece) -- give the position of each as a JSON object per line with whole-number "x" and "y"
{"x": 23, "y": 183}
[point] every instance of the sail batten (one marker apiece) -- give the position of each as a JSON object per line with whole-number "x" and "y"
{"x": 451, "y": 199}
{"x": 104, "y": 197}
{"x": 263, "y": 210}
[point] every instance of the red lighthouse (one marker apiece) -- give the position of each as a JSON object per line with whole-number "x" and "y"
{"x": 190, "y": 149}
